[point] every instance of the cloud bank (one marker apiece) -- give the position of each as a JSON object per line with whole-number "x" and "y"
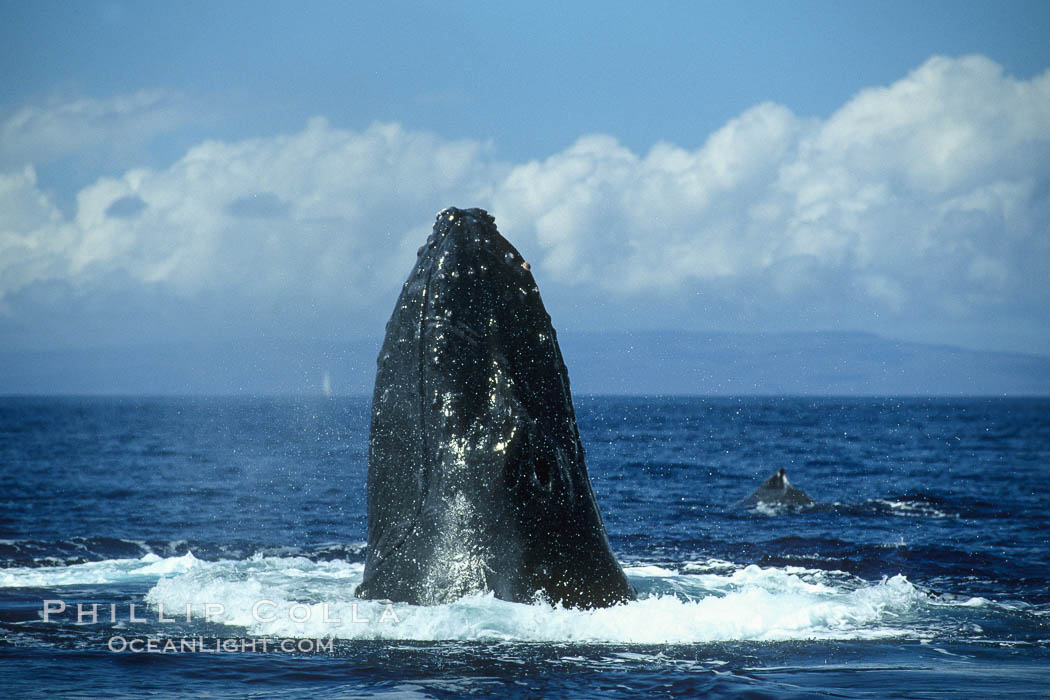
{"x": 61, "y": 126}
{"x": 927, "y": 201}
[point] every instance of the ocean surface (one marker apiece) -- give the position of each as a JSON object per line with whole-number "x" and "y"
{"x": 218, "y": 543}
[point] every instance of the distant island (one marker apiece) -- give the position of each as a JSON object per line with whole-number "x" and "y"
{"x": 617, "y": 362}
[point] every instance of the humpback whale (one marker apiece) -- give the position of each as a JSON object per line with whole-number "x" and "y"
{"x": 476, "y": 474}
{"x": 777, "y": 490}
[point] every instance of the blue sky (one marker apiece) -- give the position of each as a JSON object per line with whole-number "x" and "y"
{"x": 208, "y": 171}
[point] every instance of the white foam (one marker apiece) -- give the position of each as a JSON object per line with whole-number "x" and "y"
{"x": 914, "y": 509}
{"x": 308, "y": 599}
{"x": 284, "y": 596}
{"x": 150, "y": 566}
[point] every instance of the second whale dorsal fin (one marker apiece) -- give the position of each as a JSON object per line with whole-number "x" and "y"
{"x": 777, "y": 490}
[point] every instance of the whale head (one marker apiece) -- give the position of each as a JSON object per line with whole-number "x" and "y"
{"x": 477, "y": 479}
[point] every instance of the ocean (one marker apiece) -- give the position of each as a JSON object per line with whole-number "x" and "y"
{"x": 211, "y": 547}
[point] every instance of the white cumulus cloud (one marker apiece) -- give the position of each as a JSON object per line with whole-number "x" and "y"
{"x": 928, "y": 198}
{"x": 929, "y": 192}
{"x": 39, "y": 133}
{"x": 323, "y": 213}
{"x": 34, "y": 237}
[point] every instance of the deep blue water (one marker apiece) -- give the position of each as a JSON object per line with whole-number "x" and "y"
{"x": 922, "y": 571}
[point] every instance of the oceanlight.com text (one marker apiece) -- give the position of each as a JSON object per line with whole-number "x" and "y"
{"x": 202, "y": 645}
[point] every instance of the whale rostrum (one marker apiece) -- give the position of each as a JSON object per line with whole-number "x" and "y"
{"x": 476, "y": 473}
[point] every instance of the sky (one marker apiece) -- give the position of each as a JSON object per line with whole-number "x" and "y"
{"x": 219, "y": 171}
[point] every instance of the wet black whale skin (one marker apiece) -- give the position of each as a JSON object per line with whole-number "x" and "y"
{"x": 476, "y": 474}
{"x": 777, "y": 490}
